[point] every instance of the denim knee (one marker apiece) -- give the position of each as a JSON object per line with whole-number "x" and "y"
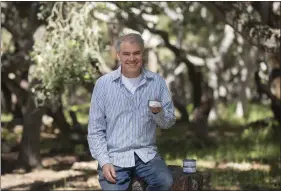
{"x": 165, "y": 181}
{"x": 168, "y": 183}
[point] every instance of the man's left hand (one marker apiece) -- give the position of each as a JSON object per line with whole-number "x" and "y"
{"x": 155, "y": 109}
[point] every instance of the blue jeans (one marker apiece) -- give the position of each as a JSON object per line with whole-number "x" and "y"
{"x": 155, "y": 173}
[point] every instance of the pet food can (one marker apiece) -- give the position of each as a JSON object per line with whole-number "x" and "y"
{"x": 189, "y": 165}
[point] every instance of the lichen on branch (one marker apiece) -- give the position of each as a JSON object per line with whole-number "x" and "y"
{"x": 69, "y": 50}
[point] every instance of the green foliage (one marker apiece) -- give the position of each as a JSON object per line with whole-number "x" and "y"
{"x": 76, "y": 108}
{"x": 9, "y": 138}
{"x": 79, "y": 149}
{"x": 165, "y": 55}
{"x": 165, "y": 22}
{"x": 69, "y": 49}
{"x": 45, "y": 10}
{"x": 255, "y": 112}
{"x": 230, "y": 141}
{"x": 5, "y": 134}
{"x": 82, "y": 112}
{"x": 230, "y": 178}
{"x": 6, "y": 117}
{"x": 7, "y": 43}
{"x": 258, "y": 112}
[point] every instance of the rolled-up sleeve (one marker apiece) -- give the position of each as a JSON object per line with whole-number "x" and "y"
{"x": 97, "y": 126}
{"x": 166, "y": 117}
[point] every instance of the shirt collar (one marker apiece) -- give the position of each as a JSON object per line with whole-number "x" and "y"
{"x": 117, "y": 73}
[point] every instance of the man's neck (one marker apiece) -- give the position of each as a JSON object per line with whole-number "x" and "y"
{"x": 131, "y": 75}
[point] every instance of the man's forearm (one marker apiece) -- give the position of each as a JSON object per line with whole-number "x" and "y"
{"x": 166, "y": 117}
{"x": 98, "y": 149}
{"x": 164, "y": 120}
{"x": 97, "y": 126}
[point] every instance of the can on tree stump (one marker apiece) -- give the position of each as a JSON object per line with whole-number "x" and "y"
{"x": 182, "y": 181}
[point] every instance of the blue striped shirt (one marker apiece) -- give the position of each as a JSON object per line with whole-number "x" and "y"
{"x": 121, "y": 123}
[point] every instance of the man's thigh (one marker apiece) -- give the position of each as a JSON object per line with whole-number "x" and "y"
{"x": 123, "y": 179}
{"x": 155, "y": 173}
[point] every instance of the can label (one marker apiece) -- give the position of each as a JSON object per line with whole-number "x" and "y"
{"x": 189, "y": 163}
{"x": 189, "y": 170}
{"x": 152, "y": 103}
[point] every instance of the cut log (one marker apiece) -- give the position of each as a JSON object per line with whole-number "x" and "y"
{"x": 182, "y": 181}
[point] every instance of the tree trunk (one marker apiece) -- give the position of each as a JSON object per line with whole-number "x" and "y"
{"x": 201, "y": 113}
{"x": 29, "y": 156}
{"x": 21, "y": 21}
{"x": 275, "y": 74}
{"x": 177, "y": 83}
{"x": 152, "y": 61}
{"x": 274, "y": 84}
{"x": 73, "y": 117}
{"x": 56, "y": 112}
{"x": 113, "y": 33}
{"x": 250, "y": 59}
{"x": 182, "y": 109}
{"x": 6, "y": 99}
{"x": 195, "y": 77}
{"x": 17, "y": 112}
{"x": 216, "y": 65}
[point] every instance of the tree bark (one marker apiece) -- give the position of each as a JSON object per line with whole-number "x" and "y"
{"x": 17, "y": 111}
{"x": 275, "y": 102}
{"x": 201, "y": 113}
{"x": 274, "y": 84}
{"x": 73, "y": 116}
{"x": 29, "y": 156}
{"x": 21, "y": 21}
{"x": 182, "y": 109}
{"x": 250, "y": 59}
{"x": 56, "y": 112}
{"x": 113, "y": 32}
{"x": 175, "y": 78}
{"x": 6, "y": 99}
{"x": 216, "y": 65}
{"x": 195, "y": 77}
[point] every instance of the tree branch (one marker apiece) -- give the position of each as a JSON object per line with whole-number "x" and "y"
{"x": 21, "y": 93}
{"x": 236, "y": 15}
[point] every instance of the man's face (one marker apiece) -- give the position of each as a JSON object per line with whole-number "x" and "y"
{"x": 130, "y": 55}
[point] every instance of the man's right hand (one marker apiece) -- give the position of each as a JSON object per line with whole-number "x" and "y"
{"x": 109, "y": 172}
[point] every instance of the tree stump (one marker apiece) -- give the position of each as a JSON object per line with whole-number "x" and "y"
{"x": 182, "y": 181}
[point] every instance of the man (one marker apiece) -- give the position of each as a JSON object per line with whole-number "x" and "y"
{"x": 122, "y": 127}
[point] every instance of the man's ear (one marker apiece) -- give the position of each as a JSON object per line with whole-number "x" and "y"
{"x": 118, "y": 57}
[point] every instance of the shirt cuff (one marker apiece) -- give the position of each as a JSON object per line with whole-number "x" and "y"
{"x": 103, "y": 160}
{"x": 158, "y": 116}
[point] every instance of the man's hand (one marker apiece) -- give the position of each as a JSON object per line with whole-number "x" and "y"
{"x": 155, "y": 109}
{"x": 109, "y": 172}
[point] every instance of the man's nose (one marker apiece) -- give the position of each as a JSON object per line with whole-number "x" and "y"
{"x": 132, "y": 57}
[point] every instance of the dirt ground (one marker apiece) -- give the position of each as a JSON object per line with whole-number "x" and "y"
{"x": 57, "y": 173}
